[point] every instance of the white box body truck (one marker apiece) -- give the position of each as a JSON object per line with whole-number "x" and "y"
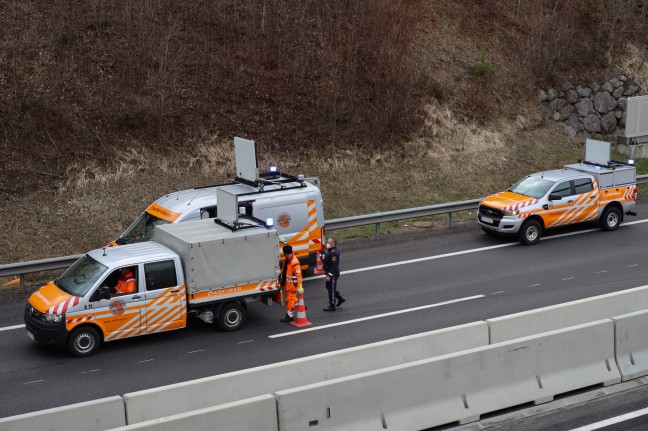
{"x": 200, "y": 268}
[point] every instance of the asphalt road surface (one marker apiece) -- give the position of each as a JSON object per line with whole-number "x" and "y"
{"x": 396, "y": 286}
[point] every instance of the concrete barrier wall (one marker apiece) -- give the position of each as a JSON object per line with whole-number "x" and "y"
{"x": 567, "y": 314}
{"x": 184, "y": 397}
{"x": 95, "y": 415}
{"x": 253, "y": 414}
{"x": 631, "y": 341}
{"x": 456, "y": 387}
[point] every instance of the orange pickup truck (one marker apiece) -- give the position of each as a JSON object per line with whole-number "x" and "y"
{"x": 603, "y": 190}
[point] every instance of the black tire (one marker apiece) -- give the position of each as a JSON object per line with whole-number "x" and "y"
{"x": 611, "y": 218}
{"x": 232, "y": 316}
{"x": 530, "y": 232}
{"x": 83, "y": 341}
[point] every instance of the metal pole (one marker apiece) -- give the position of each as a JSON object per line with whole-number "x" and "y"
{"x": 377, "y": 231}
{"x": 449, "y": 219}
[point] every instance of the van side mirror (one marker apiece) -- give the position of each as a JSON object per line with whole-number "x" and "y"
{"x": 555, "y": 197}
{"x": 102, "y": 293}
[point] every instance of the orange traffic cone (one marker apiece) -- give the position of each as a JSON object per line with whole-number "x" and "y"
{"x": 319, "y": 266}
{"x": 13, "y": 282}
{"x": 301, "y": 319}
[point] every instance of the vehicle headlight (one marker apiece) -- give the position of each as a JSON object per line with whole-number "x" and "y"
{"x": 53, "y": 318}
{"x": 511, "y": 212}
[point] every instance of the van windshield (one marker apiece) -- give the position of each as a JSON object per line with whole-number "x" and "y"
{"x": 141, "y": 229}
{"x": 534, "y": 187}
{"x": 81, "y": 276}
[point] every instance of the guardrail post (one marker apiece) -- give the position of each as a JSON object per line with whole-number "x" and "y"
{"x": 449, "y": 219}
{"x": 377, "y": 231}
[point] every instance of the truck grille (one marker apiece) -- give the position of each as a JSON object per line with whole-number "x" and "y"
{"x": 35, "y": 314}
{"x": 490, "y": 213}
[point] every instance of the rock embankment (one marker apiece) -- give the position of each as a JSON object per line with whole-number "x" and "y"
{"x": 597, "y": 108}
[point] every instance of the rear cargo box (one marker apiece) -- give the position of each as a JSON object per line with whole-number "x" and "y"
{"x": 214, "y": 257}
{"x": 620, "y": 175}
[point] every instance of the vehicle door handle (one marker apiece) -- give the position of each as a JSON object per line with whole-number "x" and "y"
{"x": 592, "y": 197}
{"x": 175, "y": 291}
{"x": 570, "y": 201}
{"x": 136, "y": 297}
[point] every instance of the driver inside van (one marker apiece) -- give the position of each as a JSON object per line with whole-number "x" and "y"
{"x": 126, "y": 283}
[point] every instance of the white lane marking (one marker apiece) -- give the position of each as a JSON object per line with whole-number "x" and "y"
{"x": 634, "y": 222}
{"x": 423, "y": 259}
{"x": 377, "y": 316}
{"x": 244, "y": 342}
{"x": 631, "y": 266}
{"x": 612, "y": 421}
{"x": 9, "y": 328}
{"x": 534, "y": 285}
{"x": 195, "y": 351}
{"x": 602, "y": 272}
{"x": 145, "y": 360}
{"x": 457, "y": 253}
{"x": 35, "y": 381}
{"x": 568, "y": 278}
{"x": 91, "y": 371}
{"x": 495, "y": 293}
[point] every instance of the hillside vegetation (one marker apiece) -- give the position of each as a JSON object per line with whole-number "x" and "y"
{"x": 107, "y": 105}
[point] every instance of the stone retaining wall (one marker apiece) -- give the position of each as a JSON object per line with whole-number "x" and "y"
{"x": 597, "y": 108}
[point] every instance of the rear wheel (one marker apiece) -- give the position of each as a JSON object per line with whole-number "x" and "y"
{"x": 83, "y": 341}
{"x": 231, "y": 317}
{"x": 530, "y": 232}
{"x": 611, "y": 218}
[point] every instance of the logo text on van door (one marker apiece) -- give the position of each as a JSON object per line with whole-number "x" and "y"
{"x": 283, "y": 220}
{"x": 117, "y": 308}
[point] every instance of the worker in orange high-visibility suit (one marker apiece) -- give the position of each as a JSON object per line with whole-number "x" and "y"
{"x": 291, "y": 280}
{"x": 126, "y": 283}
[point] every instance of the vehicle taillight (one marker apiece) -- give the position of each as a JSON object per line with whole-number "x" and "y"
{"x": 635, "y": 192}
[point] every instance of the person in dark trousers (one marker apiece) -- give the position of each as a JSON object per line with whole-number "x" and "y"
{"x": 332, "y": 271}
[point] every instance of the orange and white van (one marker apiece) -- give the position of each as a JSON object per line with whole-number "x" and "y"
{"x": 200, "y": 268}
{"x": 581, "y": 192}
{"x": 293, "y": 202}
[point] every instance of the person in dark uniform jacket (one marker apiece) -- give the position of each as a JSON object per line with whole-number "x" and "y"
{"x": 332, "y": 271}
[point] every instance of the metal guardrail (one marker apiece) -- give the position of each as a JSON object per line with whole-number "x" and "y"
{"x": 22, "y": 268}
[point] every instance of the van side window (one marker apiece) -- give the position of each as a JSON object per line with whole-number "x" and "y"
{"x": 563, "y": 189}
{"x": 583, "y": 185}
{"x": 160, "y": 275}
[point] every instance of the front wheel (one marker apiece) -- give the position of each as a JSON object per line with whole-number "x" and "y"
{"x": 611, "y": 218}
{"x": 231, "y": 317}
{"x": 83, "y": 341}
{"x": 530, "y": 232}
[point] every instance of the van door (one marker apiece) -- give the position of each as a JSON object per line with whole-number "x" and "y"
{"x": 299, "y": 221}
{"x": 166, "y": 302}
{"x": 120, "y": 316}
{"x": 291, "y": 221}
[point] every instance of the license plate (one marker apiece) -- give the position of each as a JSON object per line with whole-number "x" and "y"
{"x": 486, "y": 219}
{"x": 30, "y": 335}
